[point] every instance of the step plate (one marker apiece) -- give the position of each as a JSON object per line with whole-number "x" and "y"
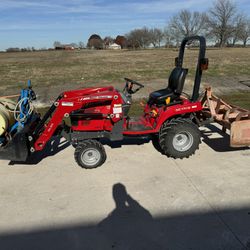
{"x": 138, "y": 127}
{"x": 136, "y": 124}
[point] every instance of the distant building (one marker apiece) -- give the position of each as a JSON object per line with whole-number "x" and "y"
{"x": 66, "y": 47}
{"x": 13, "y": 50}
{"x": 69, "y": 47}
{"x": 114, "y": 46}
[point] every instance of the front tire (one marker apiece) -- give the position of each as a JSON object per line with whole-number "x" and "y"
{"x": 90, "y": 154}
{"x": 179, "y": 138}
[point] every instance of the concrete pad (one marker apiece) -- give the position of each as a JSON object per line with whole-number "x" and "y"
{"x": 139, "y": 199}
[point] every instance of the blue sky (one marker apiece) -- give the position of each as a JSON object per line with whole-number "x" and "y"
{"x": 26, "y": 23}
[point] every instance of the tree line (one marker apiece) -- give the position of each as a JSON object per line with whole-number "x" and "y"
{"x": 223, "y": 25}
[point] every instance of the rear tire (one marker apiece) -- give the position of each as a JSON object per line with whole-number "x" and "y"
{"x": 179, "y": 138}
{"x": 90, "y": 154}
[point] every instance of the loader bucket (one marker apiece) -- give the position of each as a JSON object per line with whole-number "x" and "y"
{"x": 16, "y": 149}
{"x": 240, "y": 134}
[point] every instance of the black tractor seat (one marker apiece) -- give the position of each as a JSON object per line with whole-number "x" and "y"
{"x": 173, "y": 91}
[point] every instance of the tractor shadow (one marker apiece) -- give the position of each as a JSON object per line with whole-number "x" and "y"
{"x": 126, "y": 141}
{"x": 53, "y": 147}
{"x": 133, "y": 141}
{"x": 217, "y": 140}
{"x": 58, "y": 144}
{"x": 131, "y": 226}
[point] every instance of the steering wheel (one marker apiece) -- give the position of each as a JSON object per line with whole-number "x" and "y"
{"x": 129, "y": 86}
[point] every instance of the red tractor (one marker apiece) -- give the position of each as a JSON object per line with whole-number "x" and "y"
{"x": 171, "y": 118}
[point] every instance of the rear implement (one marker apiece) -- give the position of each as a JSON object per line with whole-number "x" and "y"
{"x": 231, "y": 117}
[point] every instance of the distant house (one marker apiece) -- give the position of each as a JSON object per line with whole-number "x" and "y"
{"x": 66, "y": 47}
{"x": 69, "y": 47}
{"x": 13, "y": 50}
{"x": 114, "y": 46}
{"x": 60, "y": 47}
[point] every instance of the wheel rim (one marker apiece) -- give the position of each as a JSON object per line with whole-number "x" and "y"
{"x": 183, "y": 141}
{"x": 90, "y": 156}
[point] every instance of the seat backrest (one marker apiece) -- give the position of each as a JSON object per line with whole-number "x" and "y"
{"x": 177, "y": 79}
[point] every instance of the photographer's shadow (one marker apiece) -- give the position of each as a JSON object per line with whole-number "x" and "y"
{"x": 129, "y": 225}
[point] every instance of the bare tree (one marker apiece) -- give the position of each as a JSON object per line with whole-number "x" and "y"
{"x": 245, "y": 33}
{"x": 139, "y": 38}
{"x": 238, "y": 28}
{"x": 57, "y": 44}
{"x": 81, "y": 45}
{"x": 156, "y": 36}
{"x": 170, "y": 38}
{"x": 145, "y": 37}
{"x": 133, "y": 38}
{"x": 221, "y": 20}
{"x": 173, "y": 35}
{"x": 74, "y": 45}
{"x": 187, "y": 23}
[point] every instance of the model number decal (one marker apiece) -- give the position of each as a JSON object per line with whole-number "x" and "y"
{"x": 95, "y": 97}
{"x": 117, "y": 110}
{"x": 186, "y": 108}
{"x": 67, "y": 104}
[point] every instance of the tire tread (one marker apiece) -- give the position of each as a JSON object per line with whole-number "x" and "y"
{"x": 85, "y": 144}
{"x": 168, "y": 130}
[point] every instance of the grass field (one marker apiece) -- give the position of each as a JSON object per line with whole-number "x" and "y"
{"x": 54, "y": 71}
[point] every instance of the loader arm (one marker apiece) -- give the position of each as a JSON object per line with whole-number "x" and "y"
{"x": 65, "y": 104}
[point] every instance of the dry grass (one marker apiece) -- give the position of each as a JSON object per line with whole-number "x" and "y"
{"x": 54, "y": 71}
{"x": 85, "y": 66}
{"x": 58, "y": 67}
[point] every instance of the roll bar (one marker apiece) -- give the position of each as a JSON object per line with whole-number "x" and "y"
{"x": 202, "y": 63}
